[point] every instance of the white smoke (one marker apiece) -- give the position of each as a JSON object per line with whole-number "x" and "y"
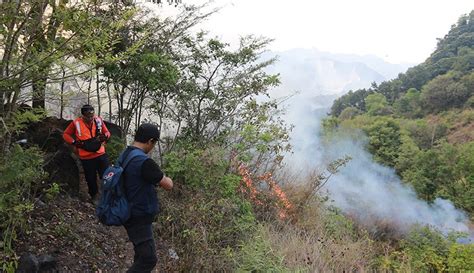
{"x": 369, "y": 190}
{"x": 363, "y": 188}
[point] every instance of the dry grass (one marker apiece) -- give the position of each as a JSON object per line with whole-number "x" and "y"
{"x": 317, "y": 251}
{"x": 317, "y": 239}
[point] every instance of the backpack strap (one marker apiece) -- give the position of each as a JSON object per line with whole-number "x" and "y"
{"x": 98, "y": 126}
{"x": 128, "y": 157}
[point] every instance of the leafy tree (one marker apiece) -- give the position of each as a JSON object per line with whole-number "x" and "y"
{"x": 140, "y": 77}
{"x": 349, "y": 113}
{"x": 351, "y": 99}
{"x": 376, "y": 104}
{"x": 216, "y": 82}
{"x": 407, "y": 153}
{"x": 444, "y": 92}
{"x": 463, "y": 184}
{"x": 470, "y": 102}
{"x": 259, "y": 137}
{"x": 432, "y": 173}
{"x": 145, "y": 81}
{"x": 409, "y": 105}
{"x": 48, "y": 41}
{"x": 465, "y": 61}
{"x": 384, "y": 140}
{"x": 390, "y": 89}
{"x": 39, "y": 34}
{"x": 425, "y": 133}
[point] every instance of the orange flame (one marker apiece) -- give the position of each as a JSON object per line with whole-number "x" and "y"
{"x": 274, "y": 189}
{"x": 279, "y": 193}
{"x": 245, "y": 173}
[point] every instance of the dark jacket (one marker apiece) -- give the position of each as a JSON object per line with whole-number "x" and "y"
{"x": 142, "y": 195}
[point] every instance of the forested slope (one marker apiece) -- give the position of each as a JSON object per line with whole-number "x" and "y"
{"x": 422, "y": 122}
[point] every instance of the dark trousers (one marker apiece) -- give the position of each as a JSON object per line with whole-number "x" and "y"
{"x": 140, "y": 233}
{"x": 92, "y": 168}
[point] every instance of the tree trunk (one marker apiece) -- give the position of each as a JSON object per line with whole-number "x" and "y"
{"x": 39, "y": 90}
{"x": 110, "y": 100}
{"x": 89, "y": 90}
{"x": 61, "y": 108}
{"x": 98, "y": 92}
{"x": 40, "y": 44}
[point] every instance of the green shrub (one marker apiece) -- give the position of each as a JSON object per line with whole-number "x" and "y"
{"x": 461, "y": 258}
{"x": 20, "y": 175}
{"x": 52, "y": 191}
{"x": 427, "y": 250}
{"x": 199, "y": 168}
{"x": 384, "y": 140}
{"x": 256, "y": 255}
{"x": 205, "y": 229}
{"x": 114, "y": 147}
{"x": 470, "y": 102}
{"x": 337, "y": 225}
{"x": 205, "y": 215}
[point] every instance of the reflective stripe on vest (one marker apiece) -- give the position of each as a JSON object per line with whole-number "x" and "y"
{"x": 78, "y": 128}
{"x": 83, "y": 132}
{"x": 98, "y": 122}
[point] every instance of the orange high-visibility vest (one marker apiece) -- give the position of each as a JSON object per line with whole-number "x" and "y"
{"x": 83, "y": 132}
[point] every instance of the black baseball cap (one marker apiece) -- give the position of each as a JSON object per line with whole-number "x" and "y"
{"x": 147, "y": 131}
{"x": 87, "y": 108}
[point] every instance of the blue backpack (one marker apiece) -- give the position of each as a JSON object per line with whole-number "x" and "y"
{"x": 113, "y": 208}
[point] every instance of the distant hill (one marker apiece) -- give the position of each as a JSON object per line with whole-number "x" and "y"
{"x": 314, "y": 72}
{"x": 443, "y": 81}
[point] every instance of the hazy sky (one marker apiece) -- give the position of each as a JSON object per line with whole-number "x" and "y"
{"x": 396, "y": 30}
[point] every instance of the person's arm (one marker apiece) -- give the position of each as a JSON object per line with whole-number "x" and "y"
{"x": 152, "y": 173}
{"x": 69, "y": 133}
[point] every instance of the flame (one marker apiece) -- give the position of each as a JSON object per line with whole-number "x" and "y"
{"x": 245, "y": 173}
{"x": 284, "y": 205}
{"x": 279, "y": 193}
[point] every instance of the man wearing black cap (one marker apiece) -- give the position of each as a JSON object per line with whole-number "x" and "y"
{"x": 88, "y": 134}
{"x": 142, "y": 176}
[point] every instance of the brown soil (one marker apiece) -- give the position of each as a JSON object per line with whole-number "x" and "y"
{"x": 67, "y": 229}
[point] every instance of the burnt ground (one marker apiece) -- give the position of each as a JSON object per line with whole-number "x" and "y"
{"x": 67, "y": 229}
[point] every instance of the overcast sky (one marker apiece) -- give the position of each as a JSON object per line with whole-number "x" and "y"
{"x": 395, "y": 30}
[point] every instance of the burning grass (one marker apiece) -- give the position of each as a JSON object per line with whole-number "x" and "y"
{"x": 307, "y": 235}
{"x": 254, "y": 192}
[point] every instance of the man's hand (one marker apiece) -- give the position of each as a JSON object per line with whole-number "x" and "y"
{"x": 166, "y": 183}
{"x": 102, "y": 138}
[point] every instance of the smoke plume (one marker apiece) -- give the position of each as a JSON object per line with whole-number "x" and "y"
{"x": 363, "y": 189}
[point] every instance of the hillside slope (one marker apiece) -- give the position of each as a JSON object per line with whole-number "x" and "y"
{"x": 421, "y": 123}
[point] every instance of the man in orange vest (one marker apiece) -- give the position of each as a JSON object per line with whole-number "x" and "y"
{"x": 88, "y": 134}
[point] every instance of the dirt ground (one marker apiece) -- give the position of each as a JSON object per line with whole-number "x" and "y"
{"x": 67, "y": 229}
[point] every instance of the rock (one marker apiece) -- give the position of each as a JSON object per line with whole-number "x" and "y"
{"x": 61, "y": 162}
{"x": 172, "y": 254}
{"x": 47, "y": 262}
{"x": 28, "y": 263}
{"x": 114, "y": 129}
{"x": 39, "y": 203}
